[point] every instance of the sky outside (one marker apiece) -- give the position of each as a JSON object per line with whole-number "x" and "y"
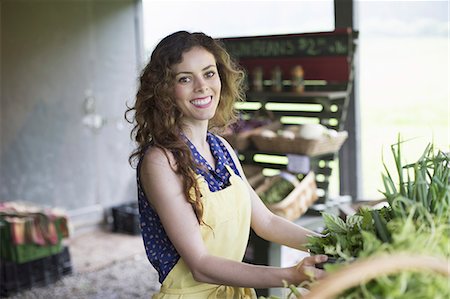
{"x": 242, "y": 18}
{"x": 234, "y": 18}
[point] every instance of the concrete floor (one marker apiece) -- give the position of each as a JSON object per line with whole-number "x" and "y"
{"x": 105, "y": 266}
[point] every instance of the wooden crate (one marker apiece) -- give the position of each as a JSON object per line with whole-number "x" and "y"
{"x": 295, "y": 203}
{"x": 309, "y": 147}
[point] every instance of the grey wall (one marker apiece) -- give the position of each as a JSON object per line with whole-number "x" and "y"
{"x": 57, "y": 57}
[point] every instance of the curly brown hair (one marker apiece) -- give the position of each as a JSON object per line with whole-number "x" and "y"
{"x": 157, "y": 119}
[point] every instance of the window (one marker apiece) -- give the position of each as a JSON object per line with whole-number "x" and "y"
{"x": 403, "y": 82}
{"x": 234, "y": 18}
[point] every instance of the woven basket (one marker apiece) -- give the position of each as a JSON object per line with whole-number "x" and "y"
{"x": 251, "y": 170}
{"x": 362, "y": 271}
{"x": 295, "y": 203}
{"x": 240, "y": 141}
{"x": 298, "y": 145}
{"x": 256, "y": 180}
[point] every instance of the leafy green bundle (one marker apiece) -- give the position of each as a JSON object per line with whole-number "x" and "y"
{"x": 416, "y": 219}
{"x": 277, "y": 192}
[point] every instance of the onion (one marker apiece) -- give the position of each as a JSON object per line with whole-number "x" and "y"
{"x": 268, "y": 133}
{"x": 288, "y": 134}
{"x": 312, "y": 131}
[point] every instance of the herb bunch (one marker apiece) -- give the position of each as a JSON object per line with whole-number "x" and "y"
{"x": 416, "y": 219}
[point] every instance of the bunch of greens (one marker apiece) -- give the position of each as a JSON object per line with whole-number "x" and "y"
{"x": 420, "y": 233}
{"x": 425, "y": 182}
{"x": 278, "y": 191}
{"x": 417, "y": 219}
{"x": 344, "y": 239}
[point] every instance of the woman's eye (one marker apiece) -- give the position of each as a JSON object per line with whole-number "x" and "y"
{"x": 184, "y": 80}
{"x": 210, "y": 74}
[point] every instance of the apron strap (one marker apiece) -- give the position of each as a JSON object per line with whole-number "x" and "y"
{"x": 230, "y": 170}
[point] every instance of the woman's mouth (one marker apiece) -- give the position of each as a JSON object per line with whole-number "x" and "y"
{"x": 202, "y": 102}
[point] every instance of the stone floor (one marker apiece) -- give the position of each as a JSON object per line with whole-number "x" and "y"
{"x": 105, "y": 266}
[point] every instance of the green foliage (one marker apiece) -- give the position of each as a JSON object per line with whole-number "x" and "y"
{"x": 344, "y": 240}
{"x": 277, "y": 191}
{"x": 425, "y": 182}
{"x": 417, "y": 219}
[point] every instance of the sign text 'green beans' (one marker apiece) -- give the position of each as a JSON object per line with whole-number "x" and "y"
{"x": 288, "y": 46}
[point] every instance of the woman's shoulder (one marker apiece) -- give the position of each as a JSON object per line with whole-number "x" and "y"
{"x": 157, "y": 157}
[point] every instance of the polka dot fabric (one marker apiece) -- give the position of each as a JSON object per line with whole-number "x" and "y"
{"x": 160, "y": 251}
{"x": 218, "y": 178}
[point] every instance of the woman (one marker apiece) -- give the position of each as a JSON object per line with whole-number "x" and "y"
{"x": 196, "y": 206}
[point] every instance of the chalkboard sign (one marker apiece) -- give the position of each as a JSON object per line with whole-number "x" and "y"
{"x": 289, "y": 46}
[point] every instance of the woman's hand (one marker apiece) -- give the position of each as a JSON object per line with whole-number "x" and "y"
{"x": 306, "y": 268}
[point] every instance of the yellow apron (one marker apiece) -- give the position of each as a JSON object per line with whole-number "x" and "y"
{"x": 227, "y": 212}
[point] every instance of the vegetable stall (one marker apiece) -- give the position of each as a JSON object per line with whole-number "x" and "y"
{"x": 398, "y": 250}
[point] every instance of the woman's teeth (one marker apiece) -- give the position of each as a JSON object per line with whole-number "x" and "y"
{"x": 201, "y": 102}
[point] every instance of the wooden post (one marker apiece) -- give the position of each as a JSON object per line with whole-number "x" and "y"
{"x": 349, "y": 155}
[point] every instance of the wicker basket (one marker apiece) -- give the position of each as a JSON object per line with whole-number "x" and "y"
{"x": 251, "y": 170}
{"x": 295, "y": 203}
{"x": 298, "y": 145}
{"x": 363, "y": 271}
{"x": 256, "y": 180}
{"x": 239, "y": 141}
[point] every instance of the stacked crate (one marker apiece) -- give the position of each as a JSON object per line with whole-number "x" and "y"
{"x": 126, "y": 218}
{"x": 25, "y": 263}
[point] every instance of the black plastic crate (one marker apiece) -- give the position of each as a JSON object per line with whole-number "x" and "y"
{"x": 16, "y": 277}
{"x": 126, "y": 218}
{"x": 64, "y": 262}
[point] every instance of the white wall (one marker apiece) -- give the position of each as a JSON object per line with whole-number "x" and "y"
{"x": 55, "y": 54}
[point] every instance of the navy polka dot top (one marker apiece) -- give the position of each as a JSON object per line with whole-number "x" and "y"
{"x": 160, "y": 251}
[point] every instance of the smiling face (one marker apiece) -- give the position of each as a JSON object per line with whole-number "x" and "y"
{"x": 197, "y": 86}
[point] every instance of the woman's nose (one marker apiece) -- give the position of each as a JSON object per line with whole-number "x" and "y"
{"x": 200, "y": 84}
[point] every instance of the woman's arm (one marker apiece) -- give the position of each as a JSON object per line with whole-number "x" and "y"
{"x": 164, "y": 189}
{"x": 266, "y": 224}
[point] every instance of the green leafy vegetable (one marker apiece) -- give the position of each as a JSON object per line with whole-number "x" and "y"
{"x": 417, "y": 219}
{"x": 278, "y": 191}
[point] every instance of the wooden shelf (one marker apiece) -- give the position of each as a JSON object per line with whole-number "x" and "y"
{"x": 293, "y": 97}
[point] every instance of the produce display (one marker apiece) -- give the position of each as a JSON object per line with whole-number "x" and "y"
{"x": 287, "y": 196}
{"x": 307, "y": 139}
{"x": 305, "y": 131}
{"x": 415, "y": 220}
{"x": 278, "y": 191}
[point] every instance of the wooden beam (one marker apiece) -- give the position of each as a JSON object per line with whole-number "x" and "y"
{"x": 349, "y": 156}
